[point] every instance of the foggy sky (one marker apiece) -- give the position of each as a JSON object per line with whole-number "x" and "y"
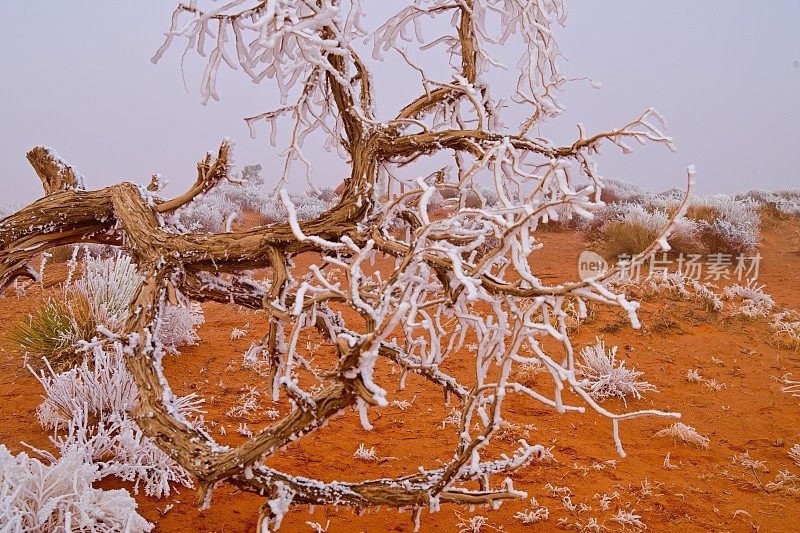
{"x": 77, "y": 76}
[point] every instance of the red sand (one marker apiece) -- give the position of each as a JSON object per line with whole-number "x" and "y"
{"x": 707, "y": 492}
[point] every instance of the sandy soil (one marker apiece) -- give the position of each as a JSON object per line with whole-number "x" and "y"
{"x": 706, "y": 492}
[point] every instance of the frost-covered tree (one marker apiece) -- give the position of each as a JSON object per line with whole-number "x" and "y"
{"x": 464, "y": 285}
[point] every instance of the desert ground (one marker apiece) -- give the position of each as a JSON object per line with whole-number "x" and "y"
{"x": 742, "y": 400}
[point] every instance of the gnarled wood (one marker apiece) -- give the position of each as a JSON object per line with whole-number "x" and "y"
{"x": 445, "y": 269}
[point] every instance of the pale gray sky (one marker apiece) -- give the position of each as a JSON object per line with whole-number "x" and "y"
{"x": 77, "y": 76}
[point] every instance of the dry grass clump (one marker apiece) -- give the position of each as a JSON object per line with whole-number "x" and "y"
{"x": 754, "y": 301}
{"x": 52, "y": 331}
{"x": 628, "y": 518}
{"x": 624, "y": 229}
{"x": 702, "y": 213}
{"x": 528, "y": 373}
{"x": 786, "y": 330}
{"x": 686, "y": 434}
{"x": 633, "y": 219}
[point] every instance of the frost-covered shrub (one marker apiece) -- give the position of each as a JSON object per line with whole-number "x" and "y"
{"x": 223, "y": 204}
{"x": 725, "y": 224}
{"x": 784, "y": 203}
{"x": 714, "y": 224}
{"x": 308, "y": 205}
{"x": 686, "y": 287}
{"x": 109, "y": 285}
{"x": 178, "y": 326}
{"x": 603, "y": 376}
{"x": 59, "y": 497}
{"x": 102, "y": 387}
{"x": 786, "y": 330}
{"x": 212, "y": 212}
{"x": 207, "y": 214}
{"x": 754, "y": 302}
{"x": 630, "y": 228}
{"x": 683, "y": 433}
{"x": 87, "y": 408}
{"x": 617, "y": 191}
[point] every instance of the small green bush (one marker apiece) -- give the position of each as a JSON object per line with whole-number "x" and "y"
{"x": 49, "y": 332}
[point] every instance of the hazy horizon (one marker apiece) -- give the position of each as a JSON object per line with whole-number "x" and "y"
{"x": 725, "y": 75}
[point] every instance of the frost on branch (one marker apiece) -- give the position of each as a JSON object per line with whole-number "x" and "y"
{"x": 459, "y": 243}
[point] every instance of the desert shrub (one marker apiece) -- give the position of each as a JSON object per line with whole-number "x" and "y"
{"x": 226, "y": 202}
{"x": 178, "y": 326}
{"x": 782, "y": 203}
{"x": 48, "y": 332}
{"x": 753, "y": 301}
{"x": 87, "y": 408}
{"x": 673, "y": 194}
{"x": 59, "y": 497}
{"x": 99, "y": 298}
{"x": 630, "y": 228}
{"x": 308, "y": 205}
{"x": 617, "y": 191}
{"x": 713, "y": 224}
{"x": 726, "y": 225}
{"x": 207, "y": 214}
{"x": 212, "y": 211}
{"x": 108, "y": 285}
{"x": 605, "y": 377}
